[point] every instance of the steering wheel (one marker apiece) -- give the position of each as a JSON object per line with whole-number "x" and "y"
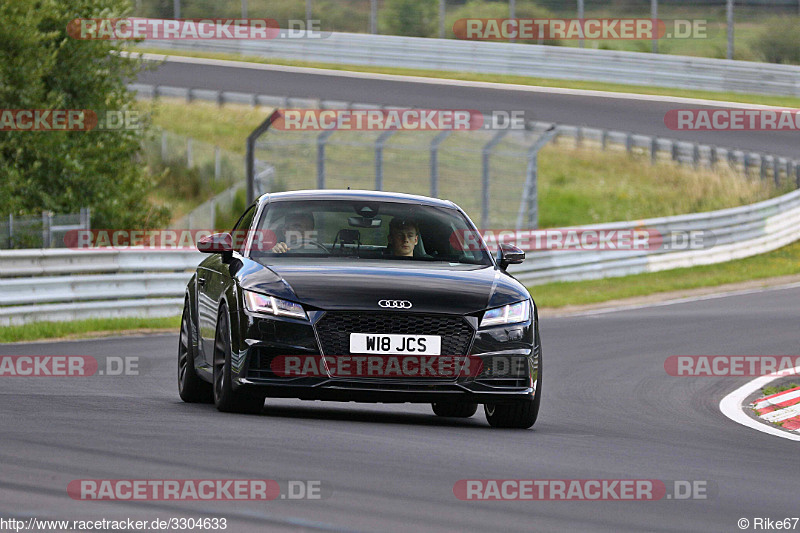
{"x": 318, "y": 245}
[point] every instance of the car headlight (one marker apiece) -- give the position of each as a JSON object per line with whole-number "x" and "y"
{"x": 261, "y": 303}
{"x": 508, "y": 314}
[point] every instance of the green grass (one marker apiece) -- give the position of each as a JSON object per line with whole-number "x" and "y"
{"x": 226, "y": 127}
{"x": 83, "y": 328}
{"x": 781, "y": 101}
{"x": 768, "y": 391}
{"x": 782, "y": 262}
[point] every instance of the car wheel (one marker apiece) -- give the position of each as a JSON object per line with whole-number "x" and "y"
{"x": 455, "y": 410}
{"x": 521, "y": 414}
{"x": 226, "y": 399}
{"x": 191, "y": 387}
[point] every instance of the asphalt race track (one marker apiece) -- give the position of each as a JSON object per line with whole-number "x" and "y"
{"x": 610, "y": 411}
{"x": 623, "y": 113}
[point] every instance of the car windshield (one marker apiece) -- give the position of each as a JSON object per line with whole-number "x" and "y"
{"x": 376, "y": 230}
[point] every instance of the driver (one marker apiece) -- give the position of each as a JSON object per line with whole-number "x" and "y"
{"x": 297, "y": 229}
{"x": 403, "y": 237}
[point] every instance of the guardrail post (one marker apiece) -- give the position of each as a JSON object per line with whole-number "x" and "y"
{"x": 47, "y": 225}
{"x": 10, "y": 230}
{"x": 439, "y": 139}
{"x": 189, "y": 95}
{"x": 653, "y": 150}
{"x": 797, "y": 174}
{"x": 155, "y": 92}
{"x": 322, "y": 139}
{"x": 696, "y": 155}
{"x": 220, "y": 98}
{"x": 763, "y": 162}
{"x": 629, "y": 142}
{"x": 746, "y": 163}
{"x": 382, "y": 138}
{"x": 776, "y": 171}
{"x": 604, "y": 139}
{"x": 217, "y": 163}
{"x": 442, "y": 9}
{"x": 485, "y": 153}
{"x": 85, "y": 218}
{"x": 578, "y": 137}
{"x": 713, "y": 156}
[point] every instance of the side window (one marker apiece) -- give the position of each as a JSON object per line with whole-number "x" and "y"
{"x": 239, "y": 231}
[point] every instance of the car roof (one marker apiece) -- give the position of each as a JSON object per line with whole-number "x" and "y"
{"x": 356, "y": 195}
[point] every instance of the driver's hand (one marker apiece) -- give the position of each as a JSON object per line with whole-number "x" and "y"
{"x": 280, "y": 248}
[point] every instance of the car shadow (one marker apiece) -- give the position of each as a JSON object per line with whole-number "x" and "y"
{"x": 380, "y": 417}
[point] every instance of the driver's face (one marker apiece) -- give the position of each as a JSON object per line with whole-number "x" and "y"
{"x": 302, "y": 225}
{"x": 298, "y": 230}
{"x": 403, "y": 241}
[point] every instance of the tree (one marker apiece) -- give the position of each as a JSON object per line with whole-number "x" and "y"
{"x": 62, "y": 171}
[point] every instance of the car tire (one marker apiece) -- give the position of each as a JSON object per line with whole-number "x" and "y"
{"x": 191, "y": 387}
{"x": 226, "y": 399}
{"x": 455, "y": 410}
{"x": 521, "y": 414}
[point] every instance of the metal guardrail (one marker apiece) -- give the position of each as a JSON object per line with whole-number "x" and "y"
{"x": 632, "y": 68}
{"x": 57, "y": 285}
{"x": 738, "y": 232}
{"x": 35, "y": 285}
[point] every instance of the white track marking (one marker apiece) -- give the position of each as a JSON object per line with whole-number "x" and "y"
{"x": 731, "y": 406}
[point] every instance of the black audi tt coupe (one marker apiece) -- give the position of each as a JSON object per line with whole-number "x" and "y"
{"x": 360, "y": 296}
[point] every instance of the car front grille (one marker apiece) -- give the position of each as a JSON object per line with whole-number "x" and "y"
{"x": 334, "y": 329}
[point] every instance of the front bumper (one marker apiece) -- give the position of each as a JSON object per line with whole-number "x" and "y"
{"x": 267, "y": 337}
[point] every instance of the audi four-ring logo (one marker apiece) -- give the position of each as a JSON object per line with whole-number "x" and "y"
{"x": 395, "y": 304}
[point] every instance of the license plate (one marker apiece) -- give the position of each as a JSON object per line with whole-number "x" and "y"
{"x": 395, "y": 344}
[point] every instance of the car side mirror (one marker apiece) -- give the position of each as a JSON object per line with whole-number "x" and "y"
{"x": 508, "y": 254}
{"x": 217, "y": 243}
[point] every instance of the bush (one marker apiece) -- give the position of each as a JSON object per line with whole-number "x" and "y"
{"x": 779, "y": 42}
{"x": 413, "y": 18}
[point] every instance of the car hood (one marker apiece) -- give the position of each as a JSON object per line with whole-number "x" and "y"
{"x": 433, "y": 288}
